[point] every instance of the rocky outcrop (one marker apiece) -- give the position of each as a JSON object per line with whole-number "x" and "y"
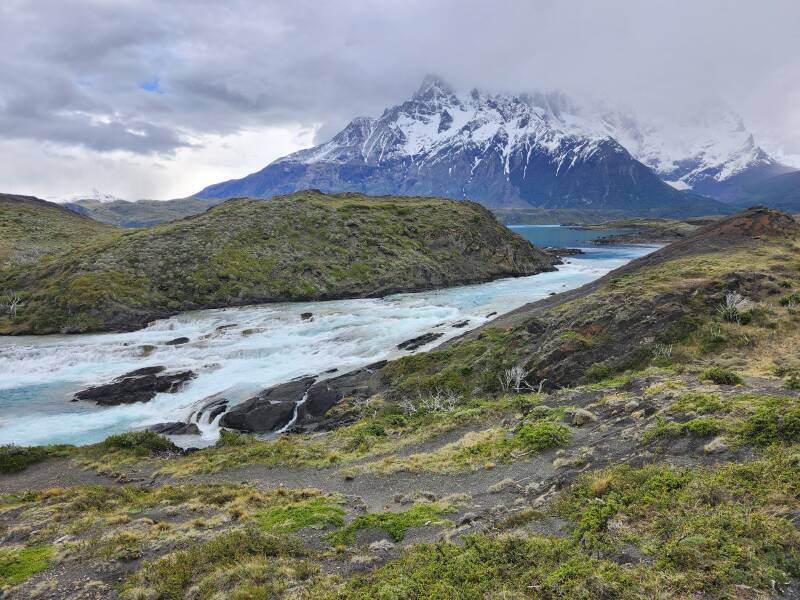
{"x": 270, "y": 410}
{"x": 325, "y": 394}
{"x": 210, "y": 409}
{"x": 421, "y": 340}
{"x": 140, "y": 385}
{"x": 175, "y": 428}
{"x": 274, "y": 408}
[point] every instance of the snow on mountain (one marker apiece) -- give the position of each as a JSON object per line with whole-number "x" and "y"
{"x": 94, "y": 196}
{"x": 504, "y": 150}
{"x": 708, "y": 150}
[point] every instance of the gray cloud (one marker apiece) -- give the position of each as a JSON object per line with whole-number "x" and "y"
{"x": 150, "y": 77}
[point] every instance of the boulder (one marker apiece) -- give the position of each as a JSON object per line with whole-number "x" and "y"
{"x": 258, "y": 417}
{"x": 419, "y": 341}
{"x": 212, "y": 407}
{"x": 175, "y": 428}
{"x": 323, "y": 395}
{"x": 270, "y": 410}
{"x": 177, "y": 341}
{"x": 140, "y": 385}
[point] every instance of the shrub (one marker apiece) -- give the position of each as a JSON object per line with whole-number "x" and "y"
{"x": 792, "y": 299}
{"x": 541, "y": 436}
{"x": 721, "y": 376}
{"x": 730, "y": 310}
{"x": 14, "y": 459}
{"x": 232, "y": 439}
{"x": 140, "y": 443}
{"x": 773, "y": 422}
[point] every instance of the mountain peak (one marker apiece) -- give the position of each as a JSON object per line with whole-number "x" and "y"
{"x": 433, "y": 86}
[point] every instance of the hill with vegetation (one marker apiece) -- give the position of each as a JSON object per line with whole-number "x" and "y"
{"x": 32, "y": 230}
{"x": 305, "y": 246}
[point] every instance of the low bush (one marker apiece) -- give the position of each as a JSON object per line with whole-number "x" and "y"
{"x": 141, "y": 443}
{"x": 721, "y": 376}
{"x": 14, "y": 459}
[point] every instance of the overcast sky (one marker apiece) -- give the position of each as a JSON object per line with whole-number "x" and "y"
{"x": 147, "y": 99}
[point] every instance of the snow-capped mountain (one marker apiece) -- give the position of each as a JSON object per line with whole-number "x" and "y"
{"x": 708, "y": 150}
{"x": 502, "y": 150}
{"x": 94, "y": 196}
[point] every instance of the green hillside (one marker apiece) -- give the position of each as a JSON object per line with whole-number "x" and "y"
{"x": 32, "y": 230}
{"x": 306, "y": 246}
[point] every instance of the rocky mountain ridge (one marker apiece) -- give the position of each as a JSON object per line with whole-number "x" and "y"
{"x": 505, "y": 151}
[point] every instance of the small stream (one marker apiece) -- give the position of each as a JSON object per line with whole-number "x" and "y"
{"x": 240, "y": 351}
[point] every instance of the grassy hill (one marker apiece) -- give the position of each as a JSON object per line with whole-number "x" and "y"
{"x": 666, "y": 301}
{"x": 32, "y": 230}
{"x": 306, "y": 246}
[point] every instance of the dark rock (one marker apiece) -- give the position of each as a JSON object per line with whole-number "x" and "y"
{"x": 224, "y": 327}
{"x": 419, "y": 341}
{"x": 140, "y": 385}
{"x": 270, "y": 410}
{"x": 147, "y": 349}
{"x": 491, "y": 314}
{"x": 258, "y": 416}
{"x": 560, "y": 252}
{"x": 306, "y": 316}
{"x": 144, "y": 371}
{"x": 177, "y": 341}
{"x": 213, "y": 405}
{"x": 321, "y": 398}
{"x": 323, "y": 395}
{"x": 216, "y": 411}
{"x": 175, "y": 428}
{"x": 461, "y": 324}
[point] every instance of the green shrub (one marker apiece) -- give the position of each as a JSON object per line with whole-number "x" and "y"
{"x": 721, "y": 376}
{"x": 141, "y": 443}
{"x": 793, "y": 382}
{"x": 773, "y": 422}
{"x": 597, "y": 372}
{"x": 543, "y": 435}
{"x": 232, "y": 439}
{"x": 792, "y": 299}
{"x": 701, "y": 427}
{"x": 14, "y": 459}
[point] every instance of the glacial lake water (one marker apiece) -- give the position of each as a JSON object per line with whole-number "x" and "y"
{"x": 263, "y": 345}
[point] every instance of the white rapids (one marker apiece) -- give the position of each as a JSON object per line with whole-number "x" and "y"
{"x": 261, "y": 346}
